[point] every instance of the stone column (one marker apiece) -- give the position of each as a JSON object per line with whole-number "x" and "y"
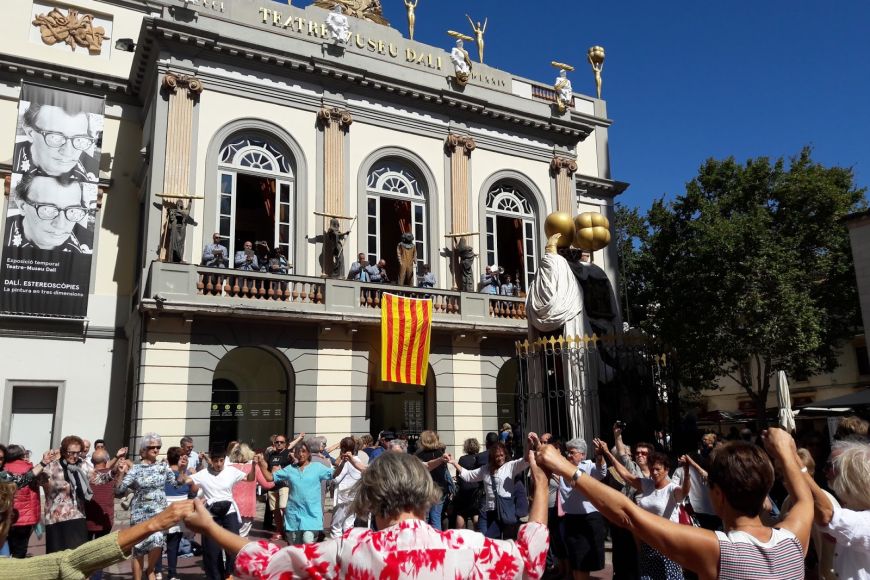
{"x": 564, "y": 168}
{"x": 334, "y": 122}
{"x": 183, "y": 92}
{"x": 459, "y": 149}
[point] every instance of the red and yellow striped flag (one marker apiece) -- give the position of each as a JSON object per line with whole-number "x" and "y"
{"x": 406, "y": 327}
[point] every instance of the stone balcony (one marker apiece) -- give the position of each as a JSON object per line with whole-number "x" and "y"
{"x": 189, "y": 289}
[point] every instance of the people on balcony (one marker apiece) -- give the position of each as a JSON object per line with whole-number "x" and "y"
{"x": 490, "y": 281}
{"x": 358, "y": 269}
{"x": 261, "y": 250}
{"x": 378, "y": 273}
{"x": 277, "y": 263}
{"x": 427, "y": 278}
{"x": 246, "y": 259}
{"x": 215, "y": 254}
{"x": 508, "y": 288}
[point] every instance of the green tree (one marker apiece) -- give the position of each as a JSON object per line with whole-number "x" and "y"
{"x": 630, "y": 232}
{"x": 750, "y": 272}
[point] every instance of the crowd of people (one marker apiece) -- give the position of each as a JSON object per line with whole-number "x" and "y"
{"x": 507, "y": 510}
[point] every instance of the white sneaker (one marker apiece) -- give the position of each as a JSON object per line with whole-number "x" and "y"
{"x": 158, "y": 576}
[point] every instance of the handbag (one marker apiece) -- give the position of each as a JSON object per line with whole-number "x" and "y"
{"x": 505, "y": 509}
{"x": 686, "y": 517}
{"x": 219, "y": 508}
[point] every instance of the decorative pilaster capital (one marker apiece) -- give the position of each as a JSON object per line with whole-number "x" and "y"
{"x": 328, "y": 115}
{"x": 173, "y": 81}
{"x": 567, "y": 164}
{"x": 454, "y": 142}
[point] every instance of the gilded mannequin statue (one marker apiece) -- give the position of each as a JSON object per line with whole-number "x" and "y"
{"x": 461, "y": 62}
{"x": 479, "y": 31}
{"x": 411, "y": 5}
{"x": 564, "y": 91}
{"x": 406, "y": 252}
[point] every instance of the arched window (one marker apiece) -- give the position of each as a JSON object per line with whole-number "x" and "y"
{"x": 510, "y": 233}
{"x": 257, "y": 194}
{"x": 396, "y": 203}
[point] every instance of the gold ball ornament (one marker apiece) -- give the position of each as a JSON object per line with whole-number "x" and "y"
{"x": 593, "y": 231}
{"x": 595, "y": 55}
{"x": 560, "y": 222}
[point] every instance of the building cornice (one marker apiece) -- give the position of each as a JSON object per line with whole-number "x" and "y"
{"x": 599, "y": 187}
{"x": 17, "y": 67}
{"x": 478, "y": 106}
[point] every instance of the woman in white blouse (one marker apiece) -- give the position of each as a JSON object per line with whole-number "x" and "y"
{"x": 658, "y": 495}
{"x": 499, "y": 477}
{"x": 849, "y": 525}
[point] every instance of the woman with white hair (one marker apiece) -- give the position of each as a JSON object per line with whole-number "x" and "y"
{"x": 849, "y": 525}
{"x": 148, "y": 479}
{"x": 398, "y": 491}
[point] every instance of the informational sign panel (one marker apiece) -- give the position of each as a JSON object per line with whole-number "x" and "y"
{"x": 49, "y": 236}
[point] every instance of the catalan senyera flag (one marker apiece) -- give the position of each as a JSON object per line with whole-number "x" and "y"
{"x": 406, "y": 327}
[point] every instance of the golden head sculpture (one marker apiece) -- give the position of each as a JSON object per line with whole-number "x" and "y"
{"x": 560, "y": 222}
{"x": 593, "y": 231}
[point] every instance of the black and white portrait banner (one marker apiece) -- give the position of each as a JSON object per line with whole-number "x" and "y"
{"x": 51, "y": 212}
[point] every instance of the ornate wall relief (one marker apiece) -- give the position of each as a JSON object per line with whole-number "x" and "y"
{"x": 69, "y": 29}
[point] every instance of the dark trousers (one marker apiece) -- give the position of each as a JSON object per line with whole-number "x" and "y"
{"x": 173, "y": 541}
{"x": 66, "y": 535}
{"x": 489, "y": 526}
{"x": 212, "y": 553}
{"x": 624, "y": 554}
{"x": 19, "y": 538}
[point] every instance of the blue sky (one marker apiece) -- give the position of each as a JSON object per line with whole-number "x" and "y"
{"x": 685, "y": 81}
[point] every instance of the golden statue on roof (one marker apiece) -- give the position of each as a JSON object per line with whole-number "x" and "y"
{"x": 363, "y": 9}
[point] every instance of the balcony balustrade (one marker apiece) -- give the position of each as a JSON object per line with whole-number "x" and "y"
{"x": 191, "y": 288}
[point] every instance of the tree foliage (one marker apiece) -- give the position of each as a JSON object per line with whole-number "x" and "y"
{"x": 750, "y": 271}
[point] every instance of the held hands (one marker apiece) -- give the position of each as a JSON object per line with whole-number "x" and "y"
{"x": 684, "y": 461}
{"x": 534, "y": 441}
{"x": 198, "y": 519}
{"x": 549, "y": 459}
{"x": 50, "y": 455}
{"x": 173, "y": 514}
{"x": 121, "y": 452}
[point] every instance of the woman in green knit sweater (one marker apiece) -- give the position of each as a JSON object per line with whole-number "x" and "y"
{"x": 80, "y": 563}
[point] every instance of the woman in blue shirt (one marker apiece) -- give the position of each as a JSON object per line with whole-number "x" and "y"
{"x": 303, "y": 518}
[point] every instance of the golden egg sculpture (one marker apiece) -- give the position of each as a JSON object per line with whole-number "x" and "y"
{"x": 560, "y": 222}
{"x": 593, "y": 231}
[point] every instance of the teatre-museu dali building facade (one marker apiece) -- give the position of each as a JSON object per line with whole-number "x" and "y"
{"x": 246, "y": 109}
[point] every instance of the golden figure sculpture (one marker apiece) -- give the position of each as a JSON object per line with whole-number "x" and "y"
{"x": 479, "y": 31}
{"x": 595, "y": 56}
{"x": 411, "y": 6}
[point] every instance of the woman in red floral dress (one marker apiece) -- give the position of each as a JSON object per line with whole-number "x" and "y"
{"x": 397, "y": 490}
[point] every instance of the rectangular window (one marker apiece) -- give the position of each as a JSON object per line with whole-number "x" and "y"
{"x": 226, "y": 219}
{"x": 284, "y": 224}
{"x": 372, "y": 233}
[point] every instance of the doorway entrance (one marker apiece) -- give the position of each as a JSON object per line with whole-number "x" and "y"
{"x": 401, "y": 408}
{"x": 510, "y": 235}
{"x": 251, "y": 393}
